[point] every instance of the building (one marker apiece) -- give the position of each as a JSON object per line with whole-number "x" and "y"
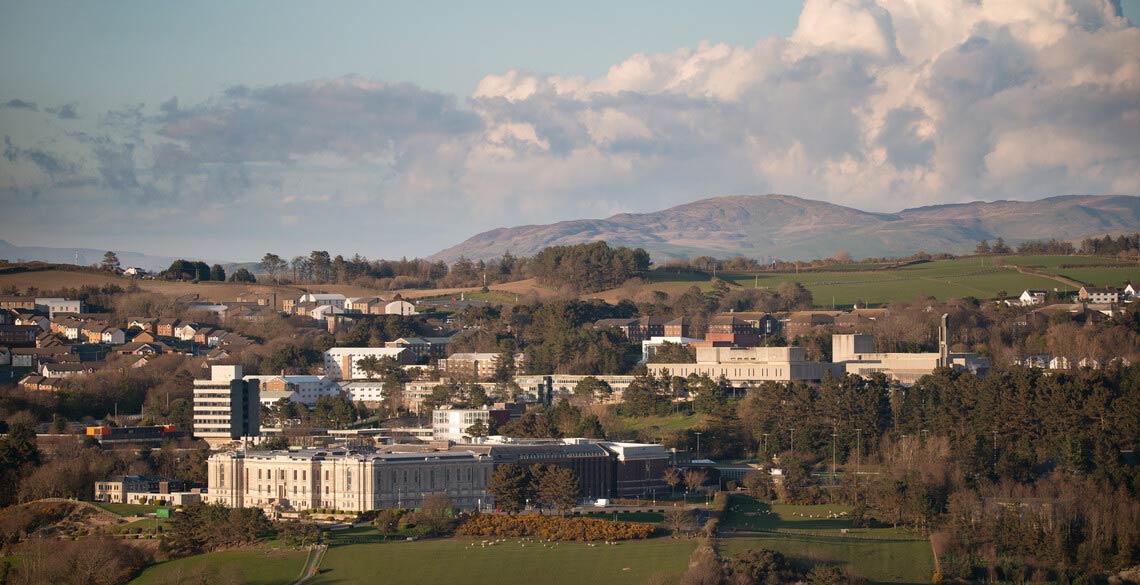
{"x": 748, "y": 366}
{"x": 604, "y": 469}
{"x": 55, "y": 306}
{"x": 19, "y": 335}
{"x": 423, "y": 347}
{"x": 1030, "y": 297}
{"x": 1098, "y": 295}
{"x": 451, "y": 424}
{"x": 650, "y": 346}
{"x": 226, "y": 407}
{"x": 370, "y": 392}
{"x": 345, "y": 480}
{"x": 475, "y": 367}
{"x": 856, "y": 353}
{"x": 148, "y": 435}
{"x": 303, "y": 389}
{"x": 135, "y": 489}
{"x": 562, "y": 385}
{"x": 17, "y": 302}
{"x": 343, "y": 363}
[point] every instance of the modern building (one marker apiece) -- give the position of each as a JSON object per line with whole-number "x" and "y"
{"x": 120, "y": 489}
{"x": 343, "y": 363}
{"x": 55, "y": 305}
{"x": 451, "y": 424}
{"x": 340, "y": 479}
{"x": 604, "y": 469}
{"x": 856, "y": 353}
{"x": 226, "y": 407}
{"x": 562, "y": 385}
{"x": 473, "y": 367}
{"x": 131, "y": 436}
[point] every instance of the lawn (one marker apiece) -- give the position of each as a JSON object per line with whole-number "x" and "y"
{"x": 806, "y": 533}
{"x": 127, "y": 509}
{"x": 512, "y": 562}
{"x": 253, "y": 566}
{"x": 1102, "y": 275}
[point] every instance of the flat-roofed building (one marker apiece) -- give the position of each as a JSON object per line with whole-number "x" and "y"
{"x": 747, "y": 366}
{"x": 226, "y": 407}
{"x": 343, "y": 363}
{"x": 346, "y": 480}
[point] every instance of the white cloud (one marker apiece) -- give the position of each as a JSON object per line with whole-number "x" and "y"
{"x": 880, "y": 104}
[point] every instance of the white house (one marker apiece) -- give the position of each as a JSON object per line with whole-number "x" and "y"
{"x": 55, "y": 305}
{"x": 113, "y": 336}
{"x": 1032, "y": 297}
{"x": 186, "y": 331}
{"x": 1129, "y": 291}
{"x": 38, "y": 320}
{"x": 399, "y": 308}
{"x": 1098, "y": 295}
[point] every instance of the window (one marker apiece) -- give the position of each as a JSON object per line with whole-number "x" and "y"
{"x": 294, "y": 475}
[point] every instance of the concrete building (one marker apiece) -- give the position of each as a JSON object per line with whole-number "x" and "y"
{"x": 747, "y": 366}
{"x": 856, "y": 353}
{"x": 345, "y": 480}
{"x": 650, "y": 346}
{"x": 562, "y": 385}
{"x": 473, "y": 367}
{"x": 226, "y": 407}
{"x": 451, "y": 424}
{"x": 342, "y": 363}
{"x": 303, "y": 389}
{"x": 120, "y": 489}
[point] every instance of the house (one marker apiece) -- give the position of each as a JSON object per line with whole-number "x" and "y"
{"x": 165, "y": 327}
{"x": 187, "y": 331}
{"x": 218, "y": 354}
{"x": 215, "y": 337}
{"x": 92, "y": 333}
{"x": 399, "y": 308}
{"x": 145, "y": 337}
{"x": 68, "y": 370}
{"x": 1129, "y": 291}
{"x": 1098, "y": 295}
{"x": 17, "y": 302}
{"x": 38, "y": 383}
{"x": 143, "y": 324}
{"x": 134, "y": 271}
{"x": 113, "y": 336}
{"x": 335, "y": 300}
{"x": 1031, "y": 297}
{"x": 365, "y": 305}
{"x": 142, "y": 348}
{"x": 202, "y": 335}
{"x": 32, "y": 357}
{"x": 260, "y": 299}
{"x": 19, "y": 335}
{"x": 32, "y": 319}
{"x": 5, "y": 356}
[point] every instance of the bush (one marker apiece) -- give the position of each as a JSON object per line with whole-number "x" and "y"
{"x": 552, "y": 528}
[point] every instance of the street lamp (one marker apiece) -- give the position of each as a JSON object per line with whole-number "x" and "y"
{"x": 766, "y": 446}
{"x": 698, "y": 434}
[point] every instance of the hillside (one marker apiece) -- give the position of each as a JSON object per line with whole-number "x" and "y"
{"x": 787, "y": 227}
{"x": 89, "y": 256}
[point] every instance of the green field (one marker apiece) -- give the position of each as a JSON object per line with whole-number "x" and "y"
{"x": 127, "y": 509}
{"x": 512, "y": 562}
{"x": 253, "y": 566}
{"x": 883, "y": 555}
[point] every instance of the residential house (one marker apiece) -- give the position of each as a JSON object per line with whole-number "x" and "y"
{"x": 143, "y": 324}
{"x": 215, "y": 337}
{"x": 38, "y": 383}
{"x": 19, "y": 335}
{"x": 32, "y": 357}
{"x": 187, "y": 331}
{"x": 399, "y": 308}
{"x": 1098, "y": 295}
{"x": 165, "y": 327}
{"x": 142, "y": 348}
{"x": 678, "y": 327}
{"x": 335, "y": 300}
{"x": 202, "y": 335}
{"x": 145, "y": 337}
{"x": 113, "y": 336}
{"x": 260, "y": 299}
{"x": 68, "y": 370}
{"x": 33, "y": 319}
{"x": 1129, "y": 291}
{"x": 17, "y": 302}
{"x": 1030, "y": 297}
{"x": 5, "y": 356}
{"x": 364, "y": 305}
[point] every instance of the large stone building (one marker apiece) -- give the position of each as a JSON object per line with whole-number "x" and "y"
{"x": 226, "y": 407}
{"x": 344, "y": 480}
{"x": 744, "y": 366}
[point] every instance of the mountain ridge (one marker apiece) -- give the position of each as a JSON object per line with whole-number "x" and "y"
{"x": 791, "y": 227}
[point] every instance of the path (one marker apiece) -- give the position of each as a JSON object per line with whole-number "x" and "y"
{"x": 312, "y": 564}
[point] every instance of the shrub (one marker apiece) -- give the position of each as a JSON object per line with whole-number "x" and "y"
{"x": 552, "y": 527}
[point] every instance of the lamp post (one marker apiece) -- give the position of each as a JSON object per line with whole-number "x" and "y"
{"x": 833, "y": 435}
{"x": 792, "y": 432}
{"x": 698, "y": 434}
{"x": 765, "y": 446}
{"x": 858, "y": 458}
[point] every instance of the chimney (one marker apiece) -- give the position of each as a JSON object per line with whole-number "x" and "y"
{"x": 944, "y": 341}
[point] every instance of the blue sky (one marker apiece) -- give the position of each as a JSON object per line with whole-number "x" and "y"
{"x": 395, "y": 129}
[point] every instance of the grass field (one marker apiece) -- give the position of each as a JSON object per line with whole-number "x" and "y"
{"x": 253, "y": 566}
{"x": 883, "y": 555}
{"x": 127, "y": 509}
{"x": 509, "y": 563}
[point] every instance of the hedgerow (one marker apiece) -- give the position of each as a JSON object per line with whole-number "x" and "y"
{"x": 552, "y": 528}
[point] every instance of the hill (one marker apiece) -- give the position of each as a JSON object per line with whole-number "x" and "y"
{"x": 787, "y": 227}
{"x": 89, "y": 256}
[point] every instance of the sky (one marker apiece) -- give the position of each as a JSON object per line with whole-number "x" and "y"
{"x": 231, "y": 129}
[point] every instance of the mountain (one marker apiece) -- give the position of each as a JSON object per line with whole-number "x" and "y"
{"x": 787, "y": 227}
{"x": 88, "y": 256}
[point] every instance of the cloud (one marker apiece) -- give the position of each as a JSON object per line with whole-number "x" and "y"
{"x": 18, "y": 104}
{"x": 65, "y": 112}
{"x": 878, "y": 104}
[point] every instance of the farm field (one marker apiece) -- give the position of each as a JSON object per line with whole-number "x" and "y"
{"x": 508, "y": 563}
{"x": 883, "y": 555}
{"x": 254, "y": 566}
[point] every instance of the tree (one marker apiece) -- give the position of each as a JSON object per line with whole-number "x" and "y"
{"x": 110, "y": 261}
{"x": 695, "y": 478}
{"x": 436, "y": 513}
{"x": 242, "y": 275}
{"x": 554, "y": 487}
{"x": 1000, "y": 247}
{"x": 591, "y": 388}
{"x": 272, "y": 264}
{"x": 509, "y": 485}
{"x": 672, "y": 479}
{"x": 388, "y": 521}
{"x": 983, "y": 247}
{"x": 479, "y": 429}
{"x": 590, "y": 427}
{"x": 678, "y": 518}
{"x": 218, "y": 273}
